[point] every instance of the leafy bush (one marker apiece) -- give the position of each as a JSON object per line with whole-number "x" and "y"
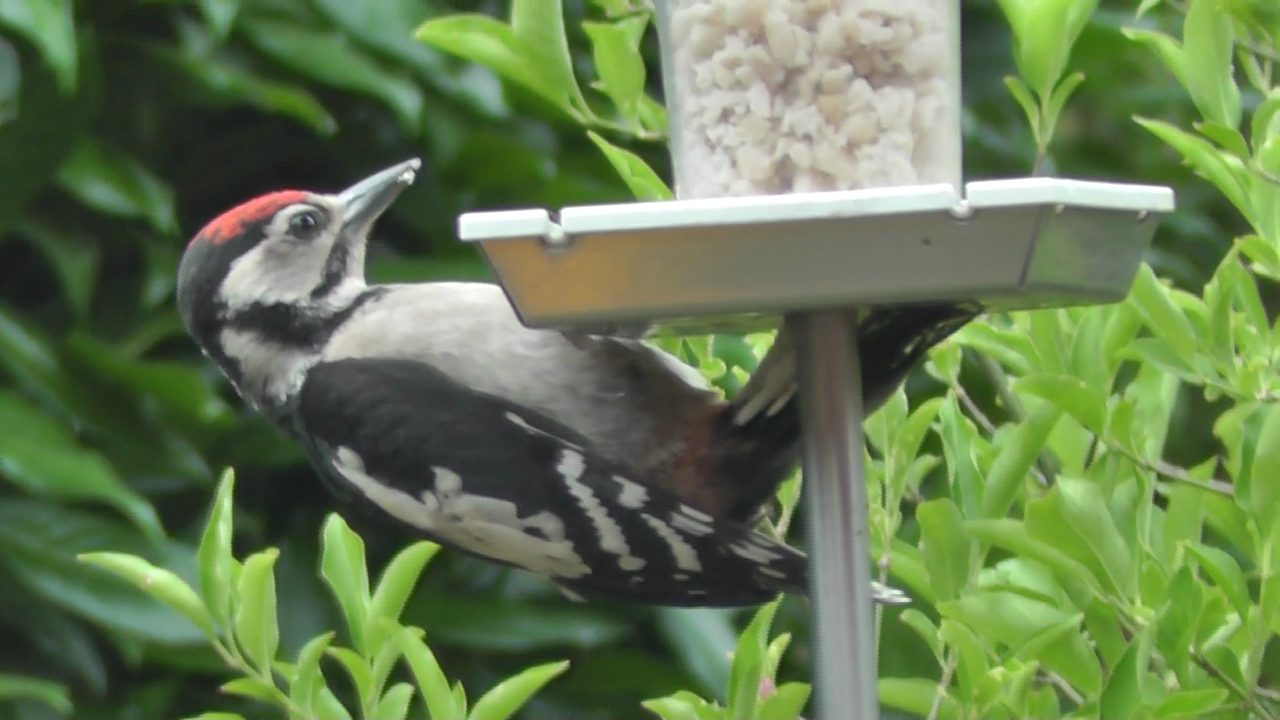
{"x": 1067, "y": 559}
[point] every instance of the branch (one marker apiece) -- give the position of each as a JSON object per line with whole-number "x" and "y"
{"x": 1171, "y": 471}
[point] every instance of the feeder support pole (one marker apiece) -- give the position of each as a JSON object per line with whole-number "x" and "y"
{"x": 843, "y": 626}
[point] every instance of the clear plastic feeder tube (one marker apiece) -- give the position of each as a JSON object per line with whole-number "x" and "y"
{"x": 769, "y": 97}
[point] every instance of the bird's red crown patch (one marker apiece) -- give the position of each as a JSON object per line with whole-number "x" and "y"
{"x": 233, "y": 222}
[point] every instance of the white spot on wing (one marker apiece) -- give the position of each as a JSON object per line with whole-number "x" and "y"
{"x": 633, "y": 495}
{"x": 685, "y": 556}
{"x": 753, "y": 550}
{"x": 696, "y": 514}
{"x": 483, "y": 525}
{"x": 688, "y": 524}
{"x": 612, "y": 539}
{"x": 766, "y": 570}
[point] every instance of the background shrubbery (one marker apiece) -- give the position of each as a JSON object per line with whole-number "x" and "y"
{"x": 1116, "y": 555}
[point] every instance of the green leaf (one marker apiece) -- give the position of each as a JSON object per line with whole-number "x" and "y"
{"x": 1225, "y": 572}
{"x": 1177, "y": 625}
{"x": 495, "y": 45}
{"x": 1022, "y": 95}
{"x": 397, "y": 582}
{"x": 257, "y": 628}
{"x": 50, "y": 26}
{"x": 1262, "y": 126}
{"x": 220, "y": 15}
{"x": 328, "y": 706}
{"x": 1070, "y": 394}
{"x": 540, "y": 26}
{"x": 619, "y": 62}
{"x": 1036, "y": 645}
{"x": 359, "y": 672}
{"x": 1122, "y": 697}
{"x": 1224, "y": 171}
{"x": 507, "y": 697}
{"x": 1010, "y": 618}
{"x": 917, "y": 696}
{"x": 43, "y": 458}
{"x": 1264, "y": 490}
{"x": 1168, "y": 49}
{"x": 387, "y": 656}
{"x": 394, "y": 704}
{"x": 1074, "y": 517}
{"x": 39, "y": 543}
{"x": 328, "y": 59}
{"x": 970, "y": 655}
{"x": 177, "y": 386}
{"x": 157, "y": 582}
{"x": 308, "y": 679}
{"x": 109, "y": 181}
{"x": 960, "y": 446}
{"x": 748, "y": 663}
{"x": 252, "y": 688}
{"x": 214, "y": 554}
{"x": 683, "y": 705}
{"x": 1044, "y": 37}
{"x": 18, "y": 687}
{"x": 643, "y": 182}
{"x": 492, "y": 624}
{"x": 1161, "y": 355}
{"x": 226, "y": 83}
{"x": 72, "y": 255}
{"x": 1208, "y": 45}
{"x": 432, "y": 683}
{"x": 925, "y": 628}
{"x": 1228, "y": 137}
{"x": 343, "y": 569}
{"x": 1012, "y": 348}
{"x": 1192, "y": 704}
{"x": 785, "y": 703}
{"x": 905, "y": 446}
{"x": 1058, "y": 101}
{"x": 1160, "y": 313}
{"x": 945, "y": 547}
{"x": 49, "y": 122}
{"x": 1017, "y": 455}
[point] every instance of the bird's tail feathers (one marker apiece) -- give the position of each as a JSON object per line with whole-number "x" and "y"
{"x": 759, "y": 431}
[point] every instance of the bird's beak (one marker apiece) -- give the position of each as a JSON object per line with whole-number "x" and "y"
{"x": 364, "y": 202}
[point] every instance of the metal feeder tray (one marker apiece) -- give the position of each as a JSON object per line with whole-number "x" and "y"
{"x": 738, "y": 264}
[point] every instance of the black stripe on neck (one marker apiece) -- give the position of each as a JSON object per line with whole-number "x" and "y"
{"x": 335, "y": 270}
{"x": 297, "y": 325}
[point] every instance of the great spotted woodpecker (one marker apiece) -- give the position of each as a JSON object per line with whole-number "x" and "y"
{"x": 598, "y": 462}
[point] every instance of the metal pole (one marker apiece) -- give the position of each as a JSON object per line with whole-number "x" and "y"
{"x": 843, "y": 630}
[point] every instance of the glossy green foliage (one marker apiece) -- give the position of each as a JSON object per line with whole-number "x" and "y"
{"x": 1081, "y": 502}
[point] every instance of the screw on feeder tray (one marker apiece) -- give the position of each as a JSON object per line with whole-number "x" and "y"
{"x": 554, "y": 237}
{"x": 814, "y": 143}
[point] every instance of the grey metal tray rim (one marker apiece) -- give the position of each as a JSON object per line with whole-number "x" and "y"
{"x": 979, "y": 195}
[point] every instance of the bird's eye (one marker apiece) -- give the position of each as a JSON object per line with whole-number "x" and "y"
{"x": 304, "y": 226}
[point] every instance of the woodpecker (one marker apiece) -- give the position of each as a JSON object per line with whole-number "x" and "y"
{"x": 596, "y": 461}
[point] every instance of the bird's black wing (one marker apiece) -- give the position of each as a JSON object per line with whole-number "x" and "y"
{"x": 500, "y": 481}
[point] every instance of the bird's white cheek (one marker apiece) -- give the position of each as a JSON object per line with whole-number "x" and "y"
{"x": 272, "y": 274}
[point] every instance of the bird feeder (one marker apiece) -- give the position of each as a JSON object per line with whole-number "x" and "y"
{"x": 816, "y": 148}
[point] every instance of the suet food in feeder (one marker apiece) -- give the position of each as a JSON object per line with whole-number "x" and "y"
{"x": 798, "y": 96}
